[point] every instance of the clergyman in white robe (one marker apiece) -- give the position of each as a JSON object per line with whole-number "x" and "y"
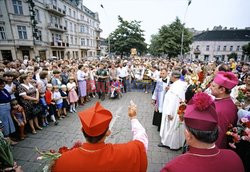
{"x": 172, "y": 131}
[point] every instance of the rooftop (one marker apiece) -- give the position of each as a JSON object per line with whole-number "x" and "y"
{"x": 224, "y": 35}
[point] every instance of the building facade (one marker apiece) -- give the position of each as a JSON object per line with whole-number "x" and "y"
{"x": 46, "y": 28}
{"x": 219, "y": 44}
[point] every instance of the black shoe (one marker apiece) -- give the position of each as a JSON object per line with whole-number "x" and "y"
{"x": 56, "y": 123}
{"x": 161, "y": 145}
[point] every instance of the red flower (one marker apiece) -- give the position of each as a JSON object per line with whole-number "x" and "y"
{"x": 63, "y": 149}
{"x": 181, "y": 111}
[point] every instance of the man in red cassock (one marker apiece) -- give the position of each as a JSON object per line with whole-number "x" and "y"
{"x": 96, "y": 155}
{"x": 226, "y": 109}
{"x": 201, "y": 121}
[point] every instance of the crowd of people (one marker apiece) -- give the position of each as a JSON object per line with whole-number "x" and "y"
{"x": 35, "y": 94}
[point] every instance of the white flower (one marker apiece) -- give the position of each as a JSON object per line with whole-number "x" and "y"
{"x": 39, "y": 158}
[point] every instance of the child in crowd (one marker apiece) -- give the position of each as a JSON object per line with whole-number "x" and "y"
{"x": 115, "y": 88}
{"x": 50, "y": 103}
{"x": 73, "y": 97}
{"x": 44, "y": 111}
{"x": 18, "y": 115}
{"x": 58, "y": 100}
{"x": 65, "y": 100}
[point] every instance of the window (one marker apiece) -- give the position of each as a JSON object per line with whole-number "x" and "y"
{"x": 74, "y": 14}
{"x": 22, "y": 32}
{"x": 1, "y": 14}
{"x": 66, "y": 23}
{"x": 75, "y": 27}
{"x": 82, "y": 17}
{"x": 82, "y": 29}
{"x": 231, "y": 48}
{"x": 87, "y": 31}
{"x": 65, "y": 8}
{"x": 67, "y": 39}
{"x": 71, "y": 27}
{"x": 207, "y": 48}
{"x": 37, "y": 17}
{"x": 54, "y": 2}
{"x": 71, "y": 39}
{"x": 18, "y": 8}
{"x": 225, "y": 48}
{"x": 75, "y": 40}
{"x": 238, "y": 48}
{"x": 82, "y": 41}
{"x": 39, "y": 35}
{"x": 53, "y": 38}
{"x": 87, "y": 42}
{"x": 218, "y": 48}
{"x": 2, "y": 33}
{"x": 69, "y": 11}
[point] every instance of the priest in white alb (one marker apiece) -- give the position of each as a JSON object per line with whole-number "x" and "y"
{"x": 172, "y": 130}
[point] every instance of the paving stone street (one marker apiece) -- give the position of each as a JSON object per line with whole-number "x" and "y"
{"x": 68, "y": 131}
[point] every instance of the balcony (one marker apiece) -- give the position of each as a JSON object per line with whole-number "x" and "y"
{"x": 57, "y": 27}
{"x": 59, "y": 44}
{"x": 197, "y": 51}
{"x": 98, "y": 38}
{"x": 55, "y": 10}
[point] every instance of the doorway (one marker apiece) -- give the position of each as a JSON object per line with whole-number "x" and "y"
{"x": 6, "y": 54}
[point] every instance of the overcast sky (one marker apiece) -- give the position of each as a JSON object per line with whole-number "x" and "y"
{"x": 201, "y": 14}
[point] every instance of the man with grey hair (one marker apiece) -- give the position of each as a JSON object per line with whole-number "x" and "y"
{"x": 172, "y": 129}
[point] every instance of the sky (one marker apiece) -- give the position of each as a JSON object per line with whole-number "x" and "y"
{"x": 201, "y": 14}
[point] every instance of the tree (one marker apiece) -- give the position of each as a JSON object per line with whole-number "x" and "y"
{"x": 169, "y": 39}
{"x": 154, "y": 48}
{"x": 246, "y": 50}
{"x": 126, "y": 36}
{"x": 233, "y": 56}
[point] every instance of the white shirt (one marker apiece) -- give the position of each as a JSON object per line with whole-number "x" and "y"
{"x": 80, "y": 75}
{"x": 156, "y": 75}
{"x": 57, "y": 95}
{"x": 71, "y": 85}
{"x": 122, "y": 72}
{"x": 9, "y": 89}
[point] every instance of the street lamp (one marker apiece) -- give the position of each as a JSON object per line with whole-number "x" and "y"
{"x": 108, "y": 25}
{"x": 182, "y": 33}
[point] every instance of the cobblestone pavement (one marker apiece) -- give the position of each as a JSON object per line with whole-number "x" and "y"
{"x": 68, "y": 132}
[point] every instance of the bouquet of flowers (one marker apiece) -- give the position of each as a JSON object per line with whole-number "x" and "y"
{"x": 6, "y": 157}
{"x": 53, "y": 155}
{"x": 238, "y": 133}
{"x": 241, "y": 95}
{"x": 181, "y": 111}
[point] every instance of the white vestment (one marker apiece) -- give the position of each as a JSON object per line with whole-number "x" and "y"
{"x": 159, "y": 93}
{"x": 172, "y": 131}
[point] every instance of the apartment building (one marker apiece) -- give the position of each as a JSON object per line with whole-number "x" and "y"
{"x": 48, "y": 28}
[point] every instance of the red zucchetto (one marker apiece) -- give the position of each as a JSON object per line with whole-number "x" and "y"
{"x": 200, "y": 113}
{"x": 95, "y": 120}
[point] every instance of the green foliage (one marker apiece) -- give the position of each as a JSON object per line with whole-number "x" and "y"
{"x": 232, "y": 56}
{"x": 246, "y": 49}
{"x": 126, "y": 36}
{"x": 168, "y": 40}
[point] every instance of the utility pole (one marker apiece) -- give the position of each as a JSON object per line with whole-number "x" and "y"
{"x": 182, "y": 33}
